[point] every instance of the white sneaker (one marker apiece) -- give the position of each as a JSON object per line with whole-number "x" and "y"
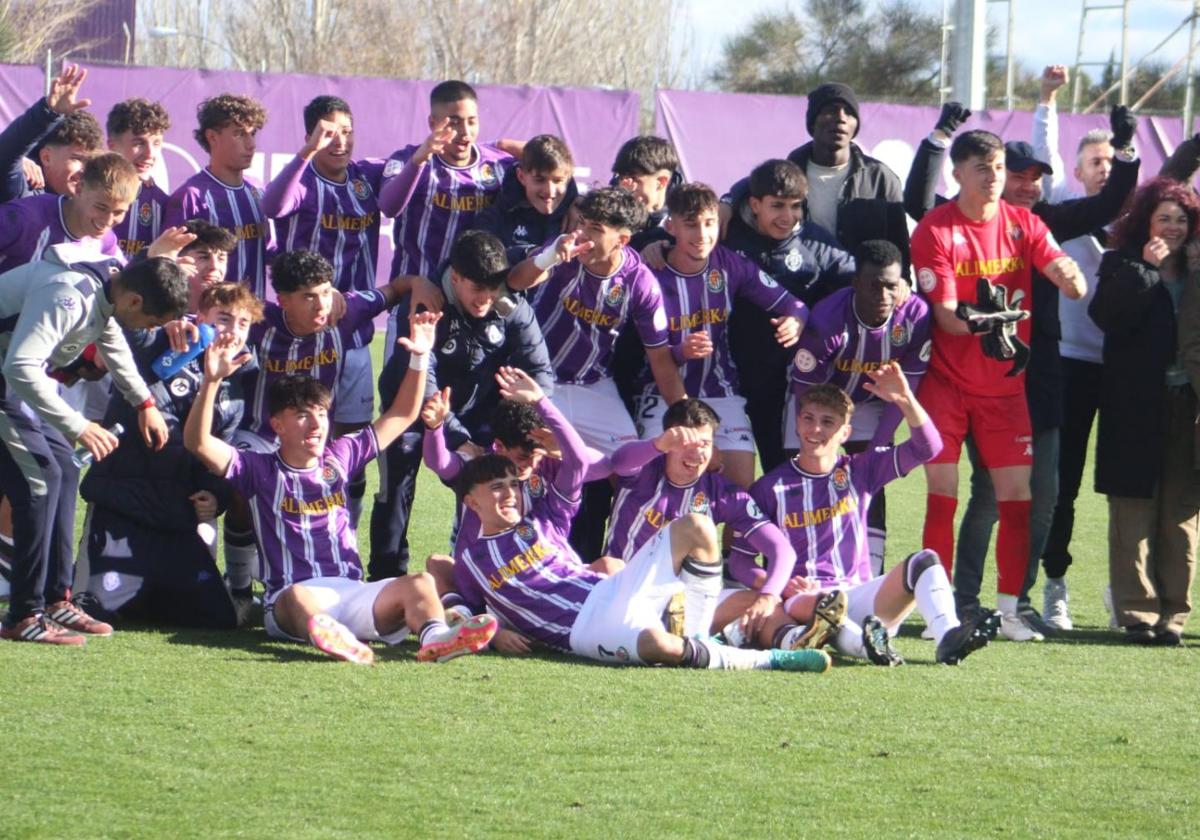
{"x": 1054, "y": 604}
{"x": 1013, "y": 628}
{"x": 1108, "y": 605}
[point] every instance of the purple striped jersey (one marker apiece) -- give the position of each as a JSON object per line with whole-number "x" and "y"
{"x": 444, "y": 202}
{"x": 319, "y": 355}
{"x": 143, "y": 222}
{"x": 28, "y": 226}
{"x": 528, "y": 576}
{"x": 532, "y": 490}
{"x": 839, "y": 348}
{"x": 301, "y": 521}
{"x": 824, "y": 517}
{"x": 341, "y": 223}
{"x": 648, "y": 501}
{"x": 237, "y": 209}
{"x": 581, "y": 314}
{"x": 702, "y": 302}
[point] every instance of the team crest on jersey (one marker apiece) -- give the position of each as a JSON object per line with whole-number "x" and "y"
{"x": 806, "y": 362}
{"x": 926, "y": 351}
{"x": 958, "y": 239}
{"x": 753, "y": 510}
{"x": 449, "y": 347}
{"x": 793, "y": 260}
{"x": 899, "y": 334}
{"x": 525, "y": 532}
{"x": 840, "y": 479}
{"x": 615, "y": 295}
{"x": 360, "y": 189}
{"x": 145, "y": 214}
{"x": 179, "y": 386}
{"x": 392, "y": 167}
{"x": 328, "y": 475}
{"x": 715, "y": 281}
{"x": 537, "y": 487}
{"x": 926, "y": 279}
{"x": 493, "y": 334}
{"x": 700, "y": 503}
{"x": 487, "y": 175}
{"x": 1014, "y": 232}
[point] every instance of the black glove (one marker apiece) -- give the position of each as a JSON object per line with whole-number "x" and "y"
{"x": 995, "y": 318}
{"x": 952, "y": 117}
{"x": 1123, "y": 124}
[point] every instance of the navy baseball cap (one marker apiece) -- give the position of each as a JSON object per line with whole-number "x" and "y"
{"x": 1018, "y": 156}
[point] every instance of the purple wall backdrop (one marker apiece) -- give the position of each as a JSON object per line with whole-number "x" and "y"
{"x": 389, "y": 114}
{"x": 722, "y": 136}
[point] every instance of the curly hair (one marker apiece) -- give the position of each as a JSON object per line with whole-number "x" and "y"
{"x": 234, "y": 296}
{"x": 295, "y": 270}
{"x": 216, "y": 112}
{"x": 613, "y": 207}
{"x": 137, "y": 116}
{"x": 79, "y": 128}
{"x": 1132, "y": 230}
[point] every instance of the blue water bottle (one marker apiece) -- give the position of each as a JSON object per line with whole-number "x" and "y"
{"x": 170, "y": 362}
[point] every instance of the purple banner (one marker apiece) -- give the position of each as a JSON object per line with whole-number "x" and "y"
{"x": 722, "y": 136}
{"x": 389, "y": 114}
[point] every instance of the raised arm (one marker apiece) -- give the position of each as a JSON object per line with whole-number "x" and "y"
{"x": 535, "y": 268}
{"x": 445, "y": 464}
{"x": 1045, "y": 132}
{"x": 221, "y": 359}
{"x": 407, "y": 404}
{"x": 398, "y": 191}
{"x": 920, "y": 187}
{"x": 518, "y": 386}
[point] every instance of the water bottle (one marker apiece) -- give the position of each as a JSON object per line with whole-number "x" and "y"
{"x": 170, "y": 362}
{"x": 83, "y": 455}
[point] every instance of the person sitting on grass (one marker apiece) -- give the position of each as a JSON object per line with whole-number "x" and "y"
{"x": 820, "y": 500}
{"x": 314, "y": 578}
{"x": 521, "y": 567}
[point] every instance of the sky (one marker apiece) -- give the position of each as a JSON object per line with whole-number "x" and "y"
{"x": 1045, "y": 31}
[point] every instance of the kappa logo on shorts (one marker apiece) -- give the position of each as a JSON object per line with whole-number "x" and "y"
{"x": 806, "y": 362}
{"x": 537, "y": 487}
{"x": 615, "y": 295}
{"x": 145, "y": 214}
{"x": 179, "y": 386}
{"x": 525, "y": 532}
{"x": 840, "y": 479}
{"x": 700, "y": 503}
{"x": 360, "y": 189}
{"x": 793, "y": 260}
{"x": 715, "y": 281}
{"x": 487, "y": 175}
{"x": 926, "y": 279}
{"x": 899, "y": 334}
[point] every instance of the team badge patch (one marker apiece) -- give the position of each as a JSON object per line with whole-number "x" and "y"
{"x": 793, "y": 260}
{"x": 449, "y": 347}
{"x": 753, "y": 510}
{"x": 926, "y": 279}
{"x": 360, "y": 189}
{"x": 899, "y": 335}
{"x": 840, "y": 479}
{"x": 493, "y": 334}
{"x": 806, "y": 362}
{"x": 1014, "y": 232}
{"x": 537, "y": 487}
{"x": 179, "y": 386}
{"x": 328, "y": 474}
{"x": 392, "y": 167}
{"x": 715, "y": 281}
{"x": 525, "y": 532}
{"x": 615, "y": 295}
{"x": 926, "y": 351}
{"x": 145, "y": 214}
{"x": 700, "y": 503}
{"x": 110, "y": 581}
{"x": 487, "y": 175}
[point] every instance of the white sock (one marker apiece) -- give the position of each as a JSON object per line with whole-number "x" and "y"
{"x": 935, "y": 600}
{"x": 701, "y": 590}
{"x": 848, "y": 640}
{"x": 723, "y": 657}
{"x": 241, "y": 562}
{"x": 434, "y": 630}
{"x": 876, "y": 540}
{"x": 1007, "y": 604}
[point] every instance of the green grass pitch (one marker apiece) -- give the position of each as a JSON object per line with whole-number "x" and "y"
{"x": 174, "y": 733}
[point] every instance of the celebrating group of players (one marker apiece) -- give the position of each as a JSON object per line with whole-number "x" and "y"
{"x": 570, "y": 360}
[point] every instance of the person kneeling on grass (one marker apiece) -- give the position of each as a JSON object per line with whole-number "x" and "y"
{"x": 522, "y": 568}
{"x": 314, "y": 577}
{"x": 820, "y": 500}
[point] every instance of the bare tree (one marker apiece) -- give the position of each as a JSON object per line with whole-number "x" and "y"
{"x": 28, "y": 29}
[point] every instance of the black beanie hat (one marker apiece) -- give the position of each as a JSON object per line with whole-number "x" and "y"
{"x": 826, "y": 93}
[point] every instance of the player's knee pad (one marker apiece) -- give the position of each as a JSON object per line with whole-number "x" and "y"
{"x": 916, "y": 565}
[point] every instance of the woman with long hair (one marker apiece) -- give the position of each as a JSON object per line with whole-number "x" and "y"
{"x": 1145, "y": 451}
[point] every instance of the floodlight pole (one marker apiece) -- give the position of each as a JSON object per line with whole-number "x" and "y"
{"x": 970, "y": 53}
{"x": 1189, "y": 87}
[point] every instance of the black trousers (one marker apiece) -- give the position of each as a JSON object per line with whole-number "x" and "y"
{"x": 390, "y": 515}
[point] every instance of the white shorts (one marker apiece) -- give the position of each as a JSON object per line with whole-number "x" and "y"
{"x": 248, "y": 441}
{"x": 350, "y": 602}
{"x": 732, "y": 435}
{"x": 354, "y": 400}
{"x": 88, "y": 398}
{"x": 597, "y": 413}
{"x": 861, "y": 603}
{"x": 862, "y": 425}
{"x": 622, "y": 606}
